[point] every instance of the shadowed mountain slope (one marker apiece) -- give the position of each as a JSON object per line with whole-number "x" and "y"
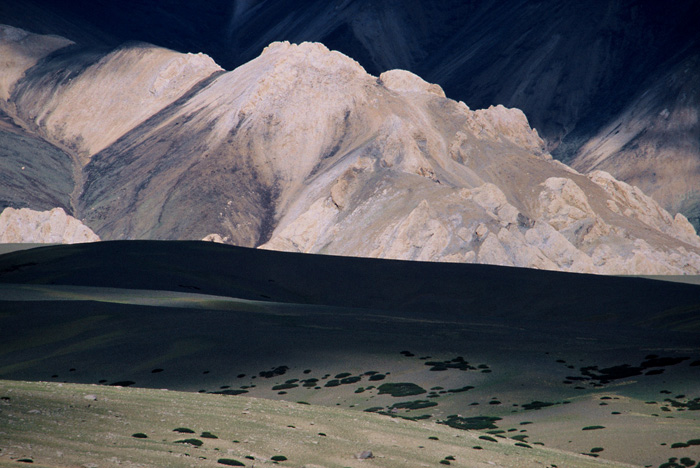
{"x": 439, "y": 290}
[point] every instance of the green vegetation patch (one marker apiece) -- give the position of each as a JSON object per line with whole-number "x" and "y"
{"x": 229, "y": 462}
{"x": 231, "y": 392}
{"x": 537, "y": 405}
{"x": 400, "y": 389}
{"x": 690, "y": 405}
{"x": 285, "y": 386}
{"x": 489, "y": 438}
{"x": 473, "y": 423}
{"x": 194, "y": 442}
{"x": 139, "y": 435}
{"x": 279, "y": 458}
{"x": 461, "y": 389}
{"x": 208, "y": 435}
{"x": 413, "y": 405}
{"x": 592, "y": 428}
{"x": 183, "y": 430}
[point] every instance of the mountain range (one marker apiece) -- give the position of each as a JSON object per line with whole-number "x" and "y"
{"x": 301, "y": 149}
{"x": 608, "y": 85}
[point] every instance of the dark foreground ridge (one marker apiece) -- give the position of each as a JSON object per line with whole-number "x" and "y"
{"x": 437, "y": 289}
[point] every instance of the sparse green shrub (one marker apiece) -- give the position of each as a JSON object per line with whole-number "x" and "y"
{"x": 522, "y": 444}
{"x": 597, "y": 449}
{"x": 450, "y": 457}
{"x": 462, "y": 389}
{"x": 375, "y": 377}
{"x": 433, "y": 438}
{"x": 489, "y": 438}
{"x": 679, "y": 445}
{"x": 473, "y": 423}
{"x": 231, "y": 392}
{"x": 208, "y": 435}
{"x": 183, "y": 430}
{"x": 139, "y": 435}
{"x": 342, "y": 375}
{"x": 229, "y": 462}
{"x": 400, "y": 389}
{"x": 685, "y": 461}
{"x": 279, "y": 458}
{"x": 194, "y": 442}
{"x": 592, "y": 428}
{"x": 537, "y": 405}
{"x": 445, "y": 462}
{"x": 285, "y": 386}
{"x": 414, "y": 405}
{"x": 332, "y": 383}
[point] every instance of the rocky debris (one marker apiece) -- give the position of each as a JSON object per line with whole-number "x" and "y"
{"x": 55, "y": 226}
{"x": 364, "y": 455}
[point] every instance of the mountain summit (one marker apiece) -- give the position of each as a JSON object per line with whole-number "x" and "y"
{"x": 301, "y": 149}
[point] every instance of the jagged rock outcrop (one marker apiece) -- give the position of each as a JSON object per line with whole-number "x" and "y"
{"x": 55, "y": 226}
{"x": 301, "y": 149}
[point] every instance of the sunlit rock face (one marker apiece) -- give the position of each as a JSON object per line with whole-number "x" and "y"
{"x": 301, "y": 149}
{"x": 55, "y": 226}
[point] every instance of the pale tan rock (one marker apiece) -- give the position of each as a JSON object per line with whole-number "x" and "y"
{"x": 500, "y": 122}
{"x": 492, "y": 252}
{"x": 420, "y": 236}
{"x": 403, "y": 81}
{"x": 214, "y": 238}
{"x": 55, "y": 226}
{"x": 566, "y": 208}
